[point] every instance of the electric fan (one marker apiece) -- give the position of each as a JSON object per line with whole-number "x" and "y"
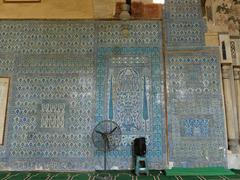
{"x": 106, "y": 136}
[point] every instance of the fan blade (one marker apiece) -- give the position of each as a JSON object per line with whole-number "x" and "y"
{"x": 113, "y": 130}
{"x": 99, "y": 132}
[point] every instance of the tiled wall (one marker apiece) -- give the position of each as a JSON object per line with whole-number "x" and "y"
{"x": 66, "y": 76}
{"x": 62, "y": 73}
{"x": 195, "y": 106}
{"x": 195, "y": 110}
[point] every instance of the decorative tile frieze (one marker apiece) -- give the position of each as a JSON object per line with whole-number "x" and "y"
{"x": 195, "y": 128}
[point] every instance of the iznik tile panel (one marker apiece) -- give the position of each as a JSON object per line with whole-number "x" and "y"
{"x": 123, "y": 34}
{"x": 47, "y": 37}
{"x": 66, "y": 76}
{"x": 185, "y": 26}
{"x": 182, "y": 35}
{"x": 185, "y": 10}
{"x": 130, "y": 85}
{"x": 52, "y": 112}
{"x": 133, "y": 95}
{"x": 195, "y": 115}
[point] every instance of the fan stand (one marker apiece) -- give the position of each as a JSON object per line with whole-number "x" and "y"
{"x": 106, "y": 136}
{"x": 105, "y": 155}
{"x": 106, "y": 177}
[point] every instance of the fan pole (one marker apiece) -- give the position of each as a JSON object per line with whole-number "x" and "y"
{"x": 105, "y": 155}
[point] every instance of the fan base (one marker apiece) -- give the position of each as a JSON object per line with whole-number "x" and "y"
{"x": 104, "y": 178}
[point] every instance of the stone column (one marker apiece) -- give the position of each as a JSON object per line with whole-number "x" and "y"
{"x": 236, "y": 72}
{"x": 229, "y": 108}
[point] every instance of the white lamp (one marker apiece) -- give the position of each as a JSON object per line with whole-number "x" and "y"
{"x": 158, "y": 1}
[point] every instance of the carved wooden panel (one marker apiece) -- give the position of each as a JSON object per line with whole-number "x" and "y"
{"x": 4, "y": 88}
